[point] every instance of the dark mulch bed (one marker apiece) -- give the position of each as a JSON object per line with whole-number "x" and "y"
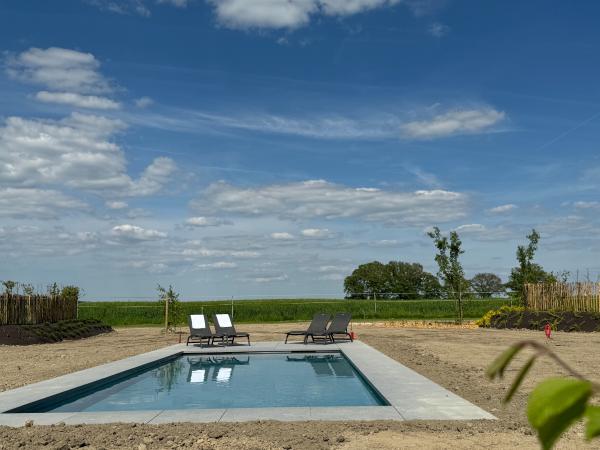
{"x": 537, "y": 320}
{"x": 51, "y": 332}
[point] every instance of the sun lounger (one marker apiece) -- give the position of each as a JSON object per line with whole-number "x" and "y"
{"x": 224, "y": 327}
{"x": 337, "y": 326}
{"x": 317, "y": 326}
{"x": 200, "y": 330}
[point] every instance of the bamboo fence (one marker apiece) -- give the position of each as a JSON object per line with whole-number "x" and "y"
{"x": 33, "y": 309}
{"x": 577, "y": 297}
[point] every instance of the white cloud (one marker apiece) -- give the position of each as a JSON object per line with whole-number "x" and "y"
{"x": 177, "y": 3}
{"x": 154, "y": 177}
{"x": 471, "y": 228}
{"x": 59, "y": 69}
{"x": 271, "y": 278}
{"x": 438, "y": 30}
{"x": 586, "y": 205}
{"x": 282, "y": 236}
{"x": 289, "y": 14}
{"x": 217, "y": 265}
{"x": 144, "y": 102}
{"x": 502, "y": 208}
{"x": 384, "y": 243}
{"x": 76, "y": 152}
{"x": 375, "y": 125}
{"x": 245, "y": 254}
{"x": 36, "y": 203}
{"x": 206, "y": 221}
{"x": 122, "y": 6}
{"x": 77, "y": 100}
{"x": 133, "y": 233}
{"x": 321, "y": 199}
{"x": 480, "y": 232}
{"x": 460, "y": 121}
{"x": 316, "y": 233}
{"x": 116, "y": 204}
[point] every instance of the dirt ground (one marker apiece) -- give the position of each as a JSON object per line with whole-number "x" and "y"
{"x": 451, "y": 356}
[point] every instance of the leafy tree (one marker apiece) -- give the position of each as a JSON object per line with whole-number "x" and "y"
{"x": 172, "y": 298}
{"x": 53, "y": 290}
{"x": 450, "y": 269}
{"x": 484, "y": 284}
{"x": 9, "y": 286}
{"x": 366, "y": 280}
{"x": 28, "y": 289}
{"x": 409, "y": 280}
{"x": 396, "y": 279}
{"x": 69, "y": 292}
{"x": 528, "y": 271}
{"x": 430, "y": 286}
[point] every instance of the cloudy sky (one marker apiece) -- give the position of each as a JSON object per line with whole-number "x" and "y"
{"x": 267, "y": 147}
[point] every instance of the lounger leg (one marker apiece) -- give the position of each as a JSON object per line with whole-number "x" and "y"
{"x": 248, "y": 340}
{"x": 286, "y": 338}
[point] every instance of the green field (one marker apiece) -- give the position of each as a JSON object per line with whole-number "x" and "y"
{"x": 260, "y": 311}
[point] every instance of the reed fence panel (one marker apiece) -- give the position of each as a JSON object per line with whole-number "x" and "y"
{"x": 29, "y": 310}
{"x": 576, "y": 297}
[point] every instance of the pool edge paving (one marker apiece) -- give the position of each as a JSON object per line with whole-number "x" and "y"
{"x": 410, "y": 395}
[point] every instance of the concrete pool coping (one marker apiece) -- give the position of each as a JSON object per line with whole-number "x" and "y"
{"x": 410, "y": 395}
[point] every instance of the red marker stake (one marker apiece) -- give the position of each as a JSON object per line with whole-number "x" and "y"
{"x": 548, "y": 330}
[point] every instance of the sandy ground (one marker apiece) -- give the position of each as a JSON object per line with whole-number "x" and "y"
{"x": 453, "y": 357}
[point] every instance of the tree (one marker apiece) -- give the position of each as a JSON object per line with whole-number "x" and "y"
{"x": 528, "y": 271}
{"x": 366, "y": 280}
{"x": 28, "y": 289}
{"x": 485, "y": 284}
{"x": 450, "y": 270}
{"x": 396, "y": 279}
{"x": 170, "y": 297}
{"x": 9, "y": 286}
{"x": 53, "y": 290}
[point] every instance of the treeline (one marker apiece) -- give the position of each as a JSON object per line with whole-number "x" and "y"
{"x": 404, "y": 280}
{"x": 52, "y": 290}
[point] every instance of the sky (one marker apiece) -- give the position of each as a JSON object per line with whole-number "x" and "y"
{"x": 267, "y": 147}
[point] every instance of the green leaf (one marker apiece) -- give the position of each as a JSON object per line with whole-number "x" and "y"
{"x": 496, "y": 369}
{"x": 519, "y": 379}
{"x": 592, "y": 428}
{"x": 554, "y": 405}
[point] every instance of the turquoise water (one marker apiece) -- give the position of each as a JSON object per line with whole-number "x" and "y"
{"x": 231, "y": 381}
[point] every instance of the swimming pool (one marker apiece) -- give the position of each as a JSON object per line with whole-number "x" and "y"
{"x": 342, "y": 375}
{"x": 226, "y": 381}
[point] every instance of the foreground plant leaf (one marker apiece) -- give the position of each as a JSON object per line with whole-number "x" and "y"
{"x": 496, "y": 369}
{"x": 519, "y": 379}
{"x": 592, "y": 428}
{"x": 554, "y": 405}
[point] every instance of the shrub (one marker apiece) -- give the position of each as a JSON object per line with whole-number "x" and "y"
{"x": 490, "y": 316}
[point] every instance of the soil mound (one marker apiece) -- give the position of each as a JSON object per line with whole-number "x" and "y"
{"x": 51, "y": 332}
{"x": 537, "y": 320}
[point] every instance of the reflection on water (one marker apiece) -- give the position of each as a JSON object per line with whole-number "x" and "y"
{"x": 229, "y": 381}
{"x": 218, "y": 367}
{"x": 326, "y": 365}
{"x": 168, "y": 374}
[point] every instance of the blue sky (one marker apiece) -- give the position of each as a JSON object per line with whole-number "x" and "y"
{"x": 250, "y": 147}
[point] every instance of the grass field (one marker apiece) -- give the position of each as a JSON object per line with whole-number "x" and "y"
{"x": 262, "y": 311}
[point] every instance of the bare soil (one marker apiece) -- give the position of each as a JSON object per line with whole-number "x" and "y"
{"x": 455, "y": 357}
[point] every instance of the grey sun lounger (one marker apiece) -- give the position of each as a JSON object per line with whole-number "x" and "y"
{"x": 224, "y": 327}
{"x": 317, "y": 326}
{"x": 200, "y": 330}
{"x": 338, "y": 326}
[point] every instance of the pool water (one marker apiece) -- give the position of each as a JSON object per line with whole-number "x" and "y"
{"x": 229, "y": 381}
